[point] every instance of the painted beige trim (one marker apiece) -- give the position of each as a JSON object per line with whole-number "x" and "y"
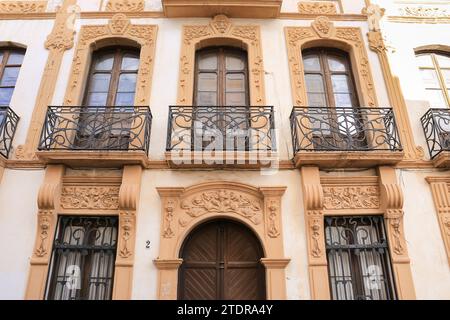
{"x": 221, "y": 31}
{"x": 354, "y": 196}
{"x": 182, "y": 209}
{"x": 108, "y": 194}
{"x": 263, "y": 9}
{"x": 441, "y": 196}
{"x": 396, "y": 99}
{"x": 58, "y": 41}
{"x": 23, "y": 7}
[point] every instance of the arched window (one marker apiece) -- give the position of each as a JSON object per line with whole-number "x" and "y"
{"x": 221, "y": 77}
{"x": 435, "y": 70}
{"x": 329, "y": 78}
{"x": 10, "y": 64}
{"x": 112, "y": 78}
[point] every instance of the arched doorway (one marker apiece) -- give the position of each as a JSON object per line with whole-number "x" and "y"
{"x": 221, "y": 261}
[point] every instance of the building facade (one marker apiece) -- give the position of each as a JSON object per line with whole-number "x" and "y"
{"x": 260, "y": 149}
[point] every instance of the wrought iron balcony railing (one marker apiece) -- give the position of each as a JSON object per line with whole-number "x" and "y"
{"x": 344, "y": 129}
{"x": 436, "y": 126}
{"x": 8, "y": 125}
{"x": 231, "y": 128}
{"x": 93, "y": 128}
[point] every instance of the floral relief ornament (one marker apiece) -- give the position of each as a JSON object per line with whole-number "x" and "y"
{"x": 125, "y": 5}
{"x": 364, "y": 197}
{"x": 323, "y": 26}
{"x": 317, "y": 7}
{"x": 90, "y": 198}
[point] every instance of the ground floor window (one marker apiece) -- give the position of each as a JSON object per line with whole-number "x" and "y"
{"x": 83, "y": 258}
{"x": 359, "y": 263}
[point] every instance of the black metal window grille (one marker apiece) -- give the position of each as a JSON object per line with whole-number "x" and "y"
{"x": 229, "y": 128}
{"x": 84, "y": 252}
{"x": 344, "y": 129}
{"x": 436, "y": 126}
{"x": 119, "y": 128}
{"x": 358, "y": 256}
{"x": 8, "y": 125}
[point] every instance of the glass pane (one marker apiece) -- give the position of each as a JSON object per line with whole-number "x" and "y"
{"x": 130, "y": 62}
{"x": 314, "y": 83}
{"x": 337, "y": 63}
{"x": 235, "y": 99}
{"x": 234, "y": 63}
{"x": 125, "y": 99}
{"x": 10, "y": 76}
{"x": 424, "y": 60}
{"x": 235, "y": 82}
{"x": 15, "y": 58}
{"x": 100, "y": 82}
{"x": 1, "y": 56}
{"x": 105, "y": 62}
{"x": 5, "y": 96}
{"x": 97, "y": 99}
{"x": 430, "y": 78}
{"x": 127, "y": 83}
{"x": 207, "y": 82}
{"x": 316, "y": 100}
{"x": 446, "y": 74}
{"x": 340, "y": 84}
{"x": 343, "y": 100}
{"x": 207, "y": 62}
{"x": 206, "y": 98}
{"x": 444, "y": 61}
{"x": 436, "y": 98}
{"x": 311, "y": 63}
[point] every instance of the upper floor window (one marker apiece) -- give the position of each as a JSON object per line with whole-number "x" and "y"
{"x": 10, "y": 64}
{"x": 221, "y": 77}
{"x": 435, "y": 70}
{"x": 112, "y": 78}
{"x": 329, "y": 78}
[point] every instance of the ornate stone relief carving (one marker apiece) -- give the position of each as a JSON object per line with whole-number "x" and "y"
{"x": 168, "y": 218}
{"x": 322, "y": 28}
{"x": 127, "y": 222}
{"x": 374, "y": 15}
{"x": 273, "y": 228}
{"x": 23, "y": 6}
{"x": 44, "y": 224}
{"x": 88, "y": 197}
{"x": 125, "y": 5}
{"x": 118, "y": 26}
{"x": 424, "y": 12}
{"x": 221, "y": 27}
{"x": 354, "y": 197}
{"x": 317, "y": 7}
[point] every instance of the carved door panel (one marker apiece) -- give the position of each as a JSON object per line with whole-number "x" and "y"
{"x": 221, "y": 260}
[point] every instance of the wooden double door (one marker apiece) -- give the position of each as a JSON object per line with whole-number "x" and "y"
{"x": 221, "y": 261}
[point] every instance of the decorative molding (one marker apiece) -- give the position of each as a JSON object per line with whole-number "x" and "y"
{"x": 88, "y": 197}
{"x": 223, "y": 30}
{"x": 22, "y": 7}
{"x": 257, "y": 208}
{"x": 351, "y": 197}
{"x": 125, "y": 5}
{"x": 424, "y": 12}
{"x": 317, "y": 7}
{"x": 323, "y": 29}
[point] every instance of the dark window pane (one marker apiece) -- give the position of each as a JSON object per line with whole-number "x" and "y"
{"x": 16, "y": 58}
{"x": 127, "y": 82}
{"x": 130, "y": 63}
{"x": 208, "y": 62}
{"x": 5, "y": 96}
{"x": 234, "y": 63}
{"x": 337, "y": 64}
{"x": 125, "y": 99}
{"x": 206, "y": 98}
{"x": 314, "y": 83}
{"x": 10, "y": 75}
{"x": 207, "y": 82}
{"x": 235, "y": 82}
{"x": 235, "y": 99}
{"x": 100, "y": 82}
{"x": 104, "y": 62}
{"x": 97, "y": 99}
{"x": 311, "y": 63}
{"x": 340, "y": 84}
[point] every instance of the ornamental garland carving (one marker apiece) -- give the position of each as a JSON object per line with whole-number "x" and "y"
{"x": 86, "y": 197}
{"x": 125, "y": 5}
{"x": 23, "y": 6}
{"x": 317, "y": 7}
{"x": 222, "y": 201}
{"x": 361, "y": 197}
{"x": 221, "y": 27}
{"x": 121, "y": 27}
{"x": 127, "y": 223}
{"x": 424, "y": 12}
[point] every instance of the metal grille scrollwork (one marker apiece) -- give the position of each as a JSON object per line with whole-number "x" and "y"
{"x": 221, "y": 128}
{"x": 358, "y": 256}
{"x": 436, "y": 126}
{"x": 121, "y": 128}
{"x": 84, "y": 253}
{"x": 8, "y": 125}
{"x": 344, "y": 129}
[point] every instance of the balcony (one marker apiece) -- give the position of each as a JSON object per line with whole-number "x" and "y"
{"x": 436, "y": 126}
{"x": 221, "y": 136}
{"x": 345, "y": 137}
{"x": 232, "y": 8}
{"x": 8, "y": 124}
{"x": 96, "y": 136}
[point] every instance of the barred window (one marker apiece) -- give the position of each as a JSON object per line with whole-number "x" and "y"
{"x": 359, "y": 263}
{"x": 83, "y": 258}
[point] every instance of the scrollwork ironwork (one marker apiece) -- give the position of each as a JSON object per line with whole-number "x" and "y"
{"x": 8, "y": 124}
{"x": 436, "y": 126}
